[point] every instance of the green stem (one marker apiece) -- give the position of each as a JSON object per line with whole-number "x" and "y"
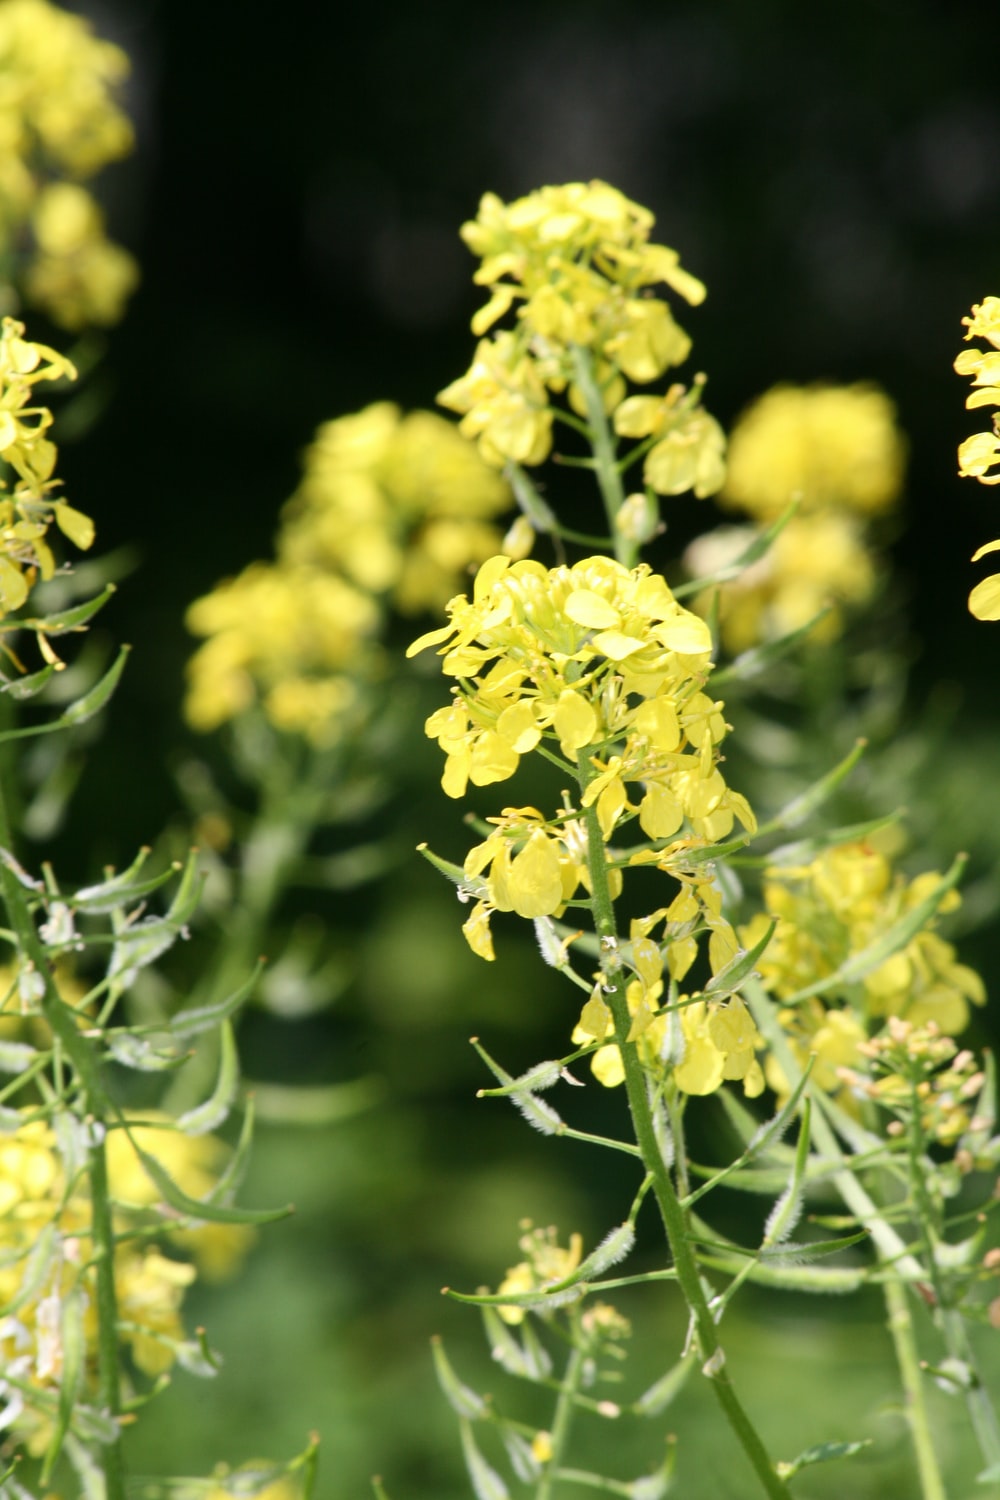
{"x": 674, "y": 1216}
{"x": 900, "y": 1325}
{"x": 77, "y": 1050}
{"x": 604, "y": 446}
{"x": 565, "y": 1411}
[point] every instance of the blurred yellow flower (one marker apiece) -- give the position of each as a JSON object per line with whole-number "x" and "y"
{"x": 290, "y": 637}
{"x": 400, "y": 505}
{"x": 825, "y": 445}
{"x": 816, "y": 562}
{"x": 837, "y": 906}
{"x": 546, "y": 1261}
{"x": 59, "y": 120}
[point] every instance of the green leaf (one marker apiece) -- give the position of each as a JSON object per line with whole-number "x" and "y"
{"x": 203, "y": 1017}
{"x": 16, "y": 1056}
{"x": 199, "y": 1208}
{"x": 803, "y": 806}
{"x": 72, "y": 1307}
{"x": 460, "y": 1397}
{"x": 229, "y": 1182}
{"x": 22, "y": 688}
{"x": 530, "y": 502}
{"x": 804, "y": 851}
{"x": 822, "y": 1453}
{"x": 663, "y": 1391}
{"x": 83, "y": 709}
{"x": 472, "y": 884}
{"x": 814, "y": 1250}
{"x": 37, "y": 1266}
{"x": 788, "y": 1209}
{"x": 731, "y": 976}
{"x": 119, "y": 891}
{"x": 72, "y": 619}
{"x": 764, "y": 1137}
{"x": 752, "y": 663}
{"x": 486, "y": 1482}
{"x": 758, "y": 548}
{"x": 215, "y": 1110}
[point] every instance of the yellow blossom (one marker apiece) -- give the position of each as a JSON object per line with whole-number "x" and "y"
{"x": 574, "y": 265}
{"x": 817, "y": 562}
{"x": 400, "y": 505}
{"x": 59, "y": 120}
{"x": 825, "y": 445}
{"x": 834, "y": 908}
{"x": 293, "y": 638}
{"x": 28, "y": 510}
{"x": 979, "y": 455}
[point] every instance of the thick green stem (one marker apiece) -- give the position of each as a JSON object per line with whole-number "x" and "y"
{"x": 77, "y": 1050}
{"x": 674, "y": 1216}
{"x": 563, "y": 1419}
{"x": 604, "y": 447}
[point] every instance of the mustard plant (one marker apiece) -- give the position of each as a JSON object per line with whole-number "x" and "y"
{"x": 832, "y": 989}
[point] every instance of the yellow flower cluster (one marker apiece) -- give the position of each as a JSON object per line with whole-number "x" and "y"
{"x": 979, "y": 455}
{"x": 401, "y": 505}
{"x": 600, "y": 668}
{"x": 391, "y": 509}
{"x": 829, "y": 911}
{"x": 59, "y": 120}
{"x": 576, "y": 263}
{"x": 829, "y": 446}
{"x": 38, "y": 1205}
{"x": 718, "y": 1040}
{"x": 293, "y": 638}
{"x": 27, "y": 511}
{"x": 837, "y": 451}
{"x": 816, "y": 562}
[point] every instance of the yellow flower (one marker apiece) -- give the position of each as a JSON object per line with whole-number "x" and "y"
{"x": 400, "y": 505}
{"x": 59, "y": 119}
{"x": 575, "y": 264}
{"x": 836, "y": 907}
{"x": 291, "y": 637}
{"x": 818, "y": 561}
{"x": 27, "y": 511}
{"x": 78, "y": 277}
{"x": 978, "y": 455}
{"x": 826, "y": 445}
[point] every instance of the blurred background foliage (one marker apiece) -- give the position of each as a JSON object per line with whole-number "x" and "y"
{"x": 293, "y": 202}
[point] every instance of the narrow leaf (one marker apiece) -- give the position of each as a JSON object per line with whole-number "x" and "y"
{"x": 23, "y": 688}
{"x": 800, "y": 808}
{"x": 486, "y": 1482}
{"x": 203, "y": 1017}
{"x": 212, "y": 1213}
{"x": 460, "y": 1397}
{"x": 215, "y": 1110}
{"x": 74, "y": 618}
{"x": 823, "y": 1453}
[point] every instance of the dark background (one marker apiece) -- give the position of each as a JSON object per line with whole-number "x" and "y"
{"x": 831, "y": 173}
